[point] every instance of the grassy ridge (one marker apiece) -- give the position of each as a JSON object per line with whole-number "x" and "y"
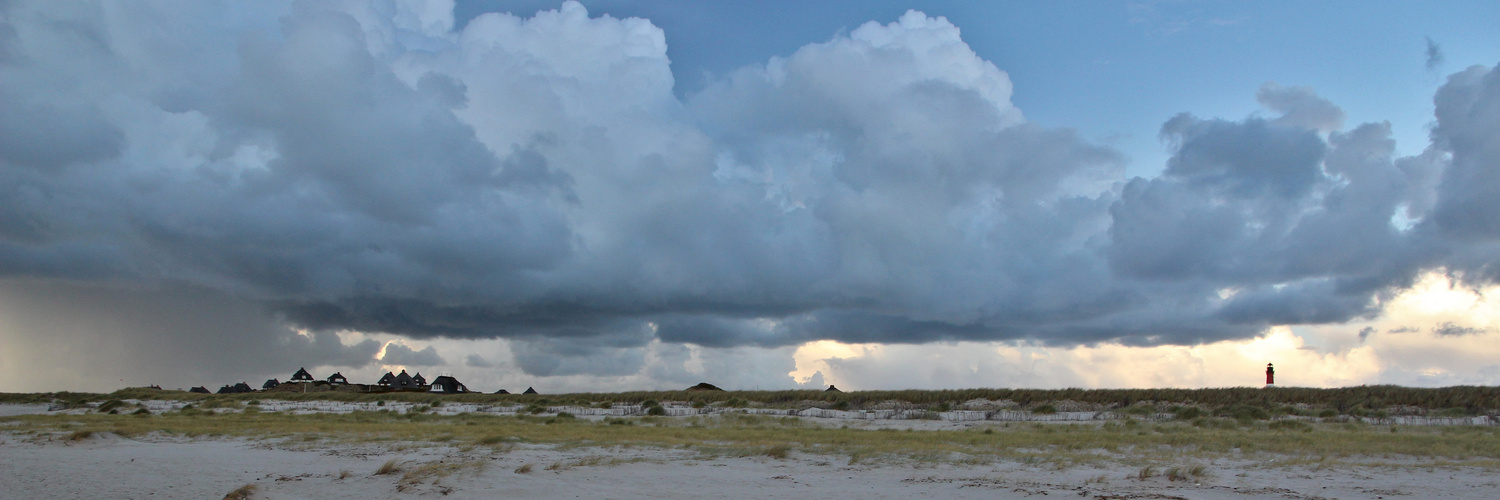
{"x": 1458, "y": 400}
{"x": 775, "y": 437}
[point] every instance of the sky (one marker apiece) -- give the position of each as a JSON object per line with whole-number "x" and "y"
{"x": 607, "y": 196}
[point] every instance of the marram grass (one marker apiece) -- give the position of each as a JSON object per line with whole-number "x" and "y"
{"x": 1450, "y": 401}
{"x": 780, "y": 437}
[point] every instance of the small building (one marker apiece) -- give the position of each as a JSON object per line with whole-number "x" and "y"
{"x": 502, "y": 391}
{"x": 404, "y": 381}
{"x": 447, "y": 385}
{"x": 200, "y": 390}
{"x": 338, "y": 378}
{"x": 418, "y": 379}
{"x": 235, "y": 389}
{"x": 831, "y": 388}
{"x": 530, "y": 391}
{"x": 270, "y": 384}
{"x": 301, "y": 376}
{"x": 387, "y": 380}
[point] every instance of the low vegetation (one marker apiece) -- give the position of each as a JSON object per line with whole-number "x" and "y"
{"x": 1236, "y": 402}
{"x": 1161, "y": 445}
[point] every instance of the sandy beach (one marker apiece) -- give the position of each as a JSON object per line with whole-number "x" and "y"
{"x": 160, "y": 465}
{"x": 107, "y": 466}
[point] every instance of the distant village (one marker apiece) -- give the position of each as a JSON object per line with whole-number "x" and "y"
{"x": 302, "y": 381}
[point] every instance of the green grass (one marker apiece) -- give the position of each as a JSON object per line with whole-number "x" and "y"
{"x": 1242, "y": 402}
{"x": 778, "y": 437}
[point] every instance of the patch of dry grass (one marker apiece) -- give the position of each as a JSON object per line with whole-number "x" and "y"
{"x": 389, "y": 467}
{"x": 242, "y": 493}
{"x": 434, "y": 471}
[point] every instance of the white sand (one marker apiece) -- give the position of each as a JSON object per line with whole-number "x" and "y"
{"x": 107, "y": 466}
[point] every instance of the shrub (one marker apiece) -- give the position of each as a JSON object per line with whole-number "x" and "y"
{"x": 1328, "y": 413}
{"x": 524, "y": 469}
{"x": 1044, "y": 410}
{"x": 656, "y": 411}
{"x": 649, "y": 403}
{"x": 1245, "y": 413}
{"x": 1187, "y": 412}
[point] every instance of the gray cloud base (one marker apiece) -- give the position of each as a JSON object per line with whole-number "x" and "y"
{"x": 370, "y": 168}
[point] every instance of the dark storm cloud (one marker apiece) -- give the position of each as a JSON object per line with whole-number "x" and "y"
{"x": 400, "y": 354}
{"x": 369, "y": 168}
{"x": 477, "y": 361}
{"x": 176, "y": 337}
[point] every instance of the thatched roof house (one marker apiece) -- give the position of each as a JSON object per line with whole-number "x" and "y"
{"x": 502, "y": 391}
{"x": 337, "y": 378}
{"x": 270, "y": 384}
{"x": 387, "y": 380}
{"x": 705, "y": 386}
{"x": 418, "y": 379}
{"x": 530, "y": 391}
{"x": 404, "y": 381}
{"x": 200, "y": 390}
{"x": 301, "y": 376}
{"x": 831, "y": 388}
{"x": 235, "y": 389}
{"x": 448, "y": 385}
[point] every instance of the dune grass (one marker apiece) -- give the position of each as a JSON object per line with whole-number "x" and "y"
{"x": 1376, "y": 400}
{"x": 779, "y": 437}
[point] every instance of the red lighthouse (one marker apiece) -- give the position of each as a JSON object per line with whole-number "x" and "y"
{"x": 1270, "y": 375}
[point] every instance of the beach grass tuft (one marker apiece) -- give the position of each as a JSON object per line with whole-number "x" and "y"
{"x": 242, "y": 493}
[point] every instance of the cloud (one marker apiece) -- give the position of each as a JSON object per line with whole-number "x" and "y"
{"x": 371, "y": 168}
{"x": 62, "y": 336}
{"x": 1435, "y": 57}
{"x": 477, "y": 361}
{"x": 1300, "y": 107}
{"x": 1450, "y": 329}
{"x": 400, "y": 354}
